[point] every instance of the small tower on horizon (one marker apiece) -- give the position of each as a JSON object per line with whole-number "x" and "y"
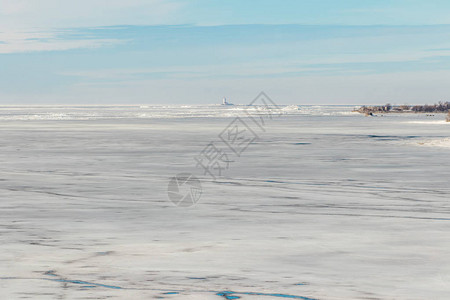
{"x": 225, "y": 102}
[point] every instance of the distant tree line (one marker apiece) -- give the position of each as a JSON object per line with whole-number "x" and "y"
{"x": 441, "y": 107}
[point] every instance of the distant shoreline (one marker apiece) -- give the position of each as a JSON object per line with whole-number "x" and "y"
{"x": 440, "y": 108}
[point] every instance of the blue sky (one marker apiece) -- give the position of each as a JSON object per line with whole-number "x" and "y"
{"x": 154, "y": 51}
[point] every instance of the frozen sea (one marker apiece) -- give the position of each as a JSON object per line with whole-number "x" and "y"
{"x": 324, "y": 204}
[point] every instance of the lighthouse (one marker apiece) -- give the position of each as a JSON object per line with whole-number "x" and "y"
{"x": 225, "y": 102}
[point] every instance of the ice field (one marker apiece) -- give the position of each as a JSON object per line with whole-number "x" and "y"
{"x": 325, "y": 204}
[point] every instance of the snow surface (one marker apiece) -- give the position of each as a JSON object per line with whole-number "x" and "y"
{"x": 326, "y": 204}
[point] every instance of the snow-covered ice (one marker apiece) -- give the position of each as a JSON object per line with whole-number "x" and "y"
{"x": 326, "y": 204}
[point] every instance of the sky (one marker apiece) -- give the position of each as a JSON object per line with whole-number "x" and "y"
{"x": 198, "y": 51}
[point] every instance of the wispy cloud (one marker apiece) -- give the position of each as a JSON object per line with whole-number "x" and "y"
{"x": 28, "y": 25}
{"x": 26, "y": 14}
{"x": 192, "y": 52}
{"x": 19, "y": 42}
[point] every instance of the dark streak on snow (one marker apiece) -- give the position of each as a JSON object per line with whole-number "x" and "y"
{"x": 229, "y": 295}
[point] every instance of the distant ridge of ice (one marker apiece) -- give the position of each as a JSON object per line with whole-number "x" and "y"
{"x": 67, "y": 113}
{"x": 433, "y": 122}
{"x": 443, "y": 143}
{"x": 290, "y": 108}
